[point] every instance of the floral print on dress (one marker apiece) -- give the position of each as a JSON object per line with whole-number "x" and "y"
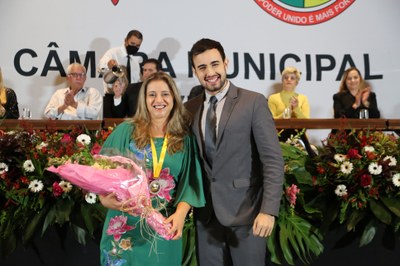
{"x": 165, "y": 181}
{"x": 117, "y": 226}
{"x": 142, "y": 155}
{"x": 166, "y": 184}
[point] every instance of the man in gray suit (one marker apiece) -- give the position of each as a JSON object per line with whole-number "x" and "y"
{"x": 243, "y": 177}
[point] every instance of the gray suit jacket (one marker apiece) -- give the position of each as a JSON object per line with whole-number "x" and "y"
{"x": 247, "y": 173}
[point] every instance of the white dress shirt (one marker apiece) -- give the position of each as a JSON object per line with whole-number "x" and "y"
{"x": 89, "y": 100}
{"x": 218, "y": 109}
{"x": 120, "y": 55}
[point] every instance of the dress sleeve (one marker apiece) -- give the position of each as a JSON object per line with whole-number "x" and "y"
{"x": 190, "y": 186}
{"x": 118, "y": 142}
{"x": 303, "y": 110}
{"x": 342, "y": 106}
{"x": 275, "y": 105}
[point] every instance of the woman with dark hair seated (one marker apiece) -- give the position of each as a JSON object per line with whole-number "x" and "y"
{"x": 354, "y": 95}
{"x": 8, "y": 102}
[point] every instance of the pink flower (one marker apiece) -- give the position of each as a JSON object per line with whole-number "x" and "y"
{"x": 57, "y": 190}
{"x": 117, "y": 227}
{"x": 165, "y": 182}
{"x": 95, "y": 149}
{"x": 291, "y": 193}
{"x": 66, "y": 138}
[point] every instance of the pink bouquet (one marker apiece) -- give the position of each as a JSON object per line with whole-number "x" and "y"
{"x": 123, "y": 177}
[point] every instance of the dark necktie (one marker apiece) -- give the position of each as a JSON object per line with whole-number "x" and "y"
{"x": 210, "y": 131}
{"x": 128, "y": 69}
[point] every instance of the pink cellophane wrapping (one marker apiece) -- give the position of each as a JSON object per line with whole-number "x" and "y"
{"x": 128, "y": 184}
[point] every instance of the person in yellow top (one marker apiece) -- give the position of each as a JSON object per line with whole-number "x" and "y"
{"x": 288, "y": 97}
{"x": 296, "y": 104}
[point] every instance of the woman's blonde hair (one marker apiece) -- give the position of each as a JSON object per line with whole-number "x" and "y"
{"x": 291, "y": 70}
{"x": 178, "y": 121}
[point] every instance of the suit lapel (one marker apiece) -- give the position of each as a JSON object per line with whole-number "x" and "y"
{"x": 196, "y": 122}
{"x": 230, "y": 102}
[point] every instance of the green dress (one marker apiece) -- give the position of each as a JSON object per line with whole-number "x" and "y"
{"x": 182, "y": 170}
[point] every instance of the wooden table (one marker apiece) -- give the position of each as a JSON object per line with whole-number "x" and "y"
{"x": 331, "y": 123}
{"x": 10, "y": 124}
{"x": 316, "y": 123}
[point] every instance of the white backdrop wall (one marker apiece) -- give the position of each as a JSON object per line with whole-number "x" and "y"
{"x": 39, "y": 36}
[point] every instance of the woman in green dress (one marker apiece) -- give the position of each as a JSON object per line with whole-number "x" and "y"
{"x": 159, "y": 135}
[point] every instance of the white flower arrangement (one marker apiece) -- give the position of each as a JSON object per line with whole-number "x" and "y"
{"x": 346, "y": 167}
{"x": 3, "y": 168}
{"x": 90, "y": 198}
{"x": 375, "y": 168}
{"x": 341, "y": 190}
{"x": 83, "y": 139}
{"x": 28, "y": 166}
{"x": 36, "y": 186}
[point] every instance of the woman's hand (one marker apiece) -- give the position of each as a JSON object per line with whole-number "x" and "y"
{"x": 294, "y": 102}
{"x": 110, "y": 201}
{"x": 178, "y": 220}
{"x": 358, "y": 97}
{"x": 365, "y": 96}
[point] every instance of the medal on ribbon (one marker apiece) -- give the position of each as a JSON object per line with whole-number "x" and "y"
{"x": 155, "y": 185}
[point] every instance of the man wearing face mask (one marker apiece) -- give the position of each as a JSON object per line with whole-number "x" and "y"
{"x": 125, "y": 56}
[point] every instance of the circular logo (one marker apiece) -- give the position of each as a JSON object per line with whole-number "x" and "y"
{"x": 304, "y": 12}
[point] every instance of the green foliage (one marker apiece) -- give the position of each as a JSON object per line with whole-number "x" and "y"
{"x": 34, "y": 199}
{"x": 357, "y": 175}
{"x": 295, "y": 236}
{"x": 189, "y": 243}
{"x": 313, "y": 199}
